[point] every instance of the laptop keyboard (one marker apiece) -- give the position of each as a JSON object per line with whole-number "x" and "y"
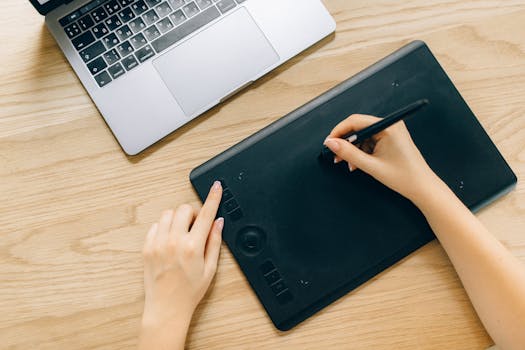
{"x": 114, "y": 36}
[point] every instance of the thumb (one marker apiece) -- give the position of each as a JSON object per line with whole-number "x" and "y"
{"x": 355, "y": 157}
{"x": 213, "y": 247}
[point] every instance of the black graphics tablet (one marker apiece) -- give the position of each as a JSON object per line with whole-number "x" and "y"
{"x": 300, "y": 241}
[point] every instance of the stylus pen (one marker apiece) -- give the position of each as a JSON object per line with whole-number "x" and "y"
{"x": 361, "y": 135}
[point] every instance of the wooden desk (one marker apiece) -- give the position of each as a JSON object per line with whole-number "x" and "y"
{"x": 74, "y": 209}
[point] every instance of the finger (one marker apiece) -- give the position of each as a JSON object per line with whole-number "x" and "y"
{"x": 164, "y": 227}
{"x": 201, "y": 227}
{"x": 182, "y": 219}
{"x": 355, "y": 157}
{"x": 354, "y": 122}
{"x": 213, "y": 246}
{"x": 150, "y": 238}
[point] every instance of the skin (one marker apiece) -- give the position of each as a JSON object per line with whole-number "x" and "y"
{"x": 182, "y": 249}
{"x": 493, "y": 278}
{"x": 180, "y": 259}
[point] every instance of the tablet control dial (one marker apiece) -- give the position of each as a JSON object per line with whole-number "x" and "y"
{"x": 251, "y": 240}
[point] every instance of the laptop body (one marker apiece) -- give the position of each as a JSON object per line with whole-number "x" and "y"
{"x": 152, "y": 66}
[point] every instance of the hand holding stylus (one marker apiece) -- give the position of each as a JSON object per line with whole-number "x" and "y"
{"x": 394, "y": 160}
{"x": 361, "y": 135}
{"x": 493, "y": 278}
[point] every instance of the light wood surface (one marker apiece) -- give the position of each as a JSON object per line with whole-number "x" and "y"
{"x": 74, "y": 209}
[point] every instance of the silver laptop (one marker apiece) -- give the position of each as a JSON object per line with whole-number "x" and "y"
{"x": 151, "y": 66}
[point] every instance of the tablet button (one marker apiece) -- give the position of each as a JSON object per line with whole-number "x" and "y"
{"x": 226, "y": 195}
{"x": 278, "y": 287}
{"x": 231, "y": 205}
{"x": 273, "y": 277}
{"x": 236, "y": 214}
{"x": 267, "y": 267}
{"x": 285, "y": 297}
{"x": 223, "y": 183}
{"x": 251, "y": 240}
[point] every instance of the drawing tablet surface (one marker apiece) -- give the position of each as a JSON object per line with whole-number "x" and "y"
{"x": 305, "y": 232}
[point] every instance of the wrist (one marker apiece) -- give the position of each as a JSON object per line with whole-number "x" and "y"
{"x": 164, "y": 332}
{"x": 428, "y": 187}
{"x": 179, "y": 320}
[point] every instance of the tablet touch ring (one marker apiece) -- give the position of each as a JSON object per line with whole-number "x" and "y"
{"x": 251, "y": 240}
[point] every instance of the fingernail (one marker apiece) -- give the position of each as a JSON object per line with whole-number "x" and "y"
{"x": 220, "y": 223}
{"x": 216, "y": 185}
{"x": 332, "y": 144}
{"x": 337, "y": 159}
{"x": 351, "y": 167}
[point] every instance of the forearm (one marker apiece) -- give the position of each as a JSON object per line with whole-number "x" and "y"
{"x": 493, "y": 278}
{"x": 166, "y": 336}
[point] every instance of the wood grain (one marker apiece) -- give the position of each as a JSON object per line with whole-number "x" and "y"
{"x": 74, "y": 209}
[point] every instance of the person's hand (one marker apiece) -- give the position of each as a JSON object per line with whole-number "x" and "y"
{"x": 180, "y": 259}
{"x": 391, "y": 156}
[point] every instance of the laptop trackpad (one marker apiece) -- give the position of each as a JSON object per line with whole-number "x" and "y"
{"x": 214, "y": 63}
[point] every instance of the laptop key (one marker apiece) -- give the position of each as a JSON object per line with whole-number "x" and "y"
{"x": 152, "y": 33}
{"x": 145, "y": 53}
{"x": 96, "y": 66}
{"x": 129, "y": 62}
{"x": 112, "y": 7}
{"x": 111, "y": 57}
{"x": 152, "y": 3}
{"x": 72, "y": 30}
{"x": 175, "y": 4}
{"x": 185, "y": 29}
{"x": 138, "y": 41}
{"x": 137, "y": 25}
{"x": 124, "y": 33}
{"x": 92, "y": 51}
{"x": 126, "y": 15}
{"x": 72, "y": 17}
{"x": 113, "y": 22}
{"x": 191, "y": 9}
{"x": 226, "y": 5}
{"x": 100, "y": 30}
{"x": 116, "y": 71}
{"x": 125, "y": 49}
{"x": 203, "y": 4}
{"x": 139, "y": 7}
{"x": 110, "y": 40}
{"x": 163, "y": 9}
{"x": 150, "y": 17}
{"x": 103, "y": 79}
{"x": 178, "y": 17}
{"x": 165, "y": 25}
{"x": 99, "y": 14}
{"x": 82, "y": 41}
{"x": 125, "y": 3}
{"x": 86, "y": 22}
{"x": 89, "y": 6}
